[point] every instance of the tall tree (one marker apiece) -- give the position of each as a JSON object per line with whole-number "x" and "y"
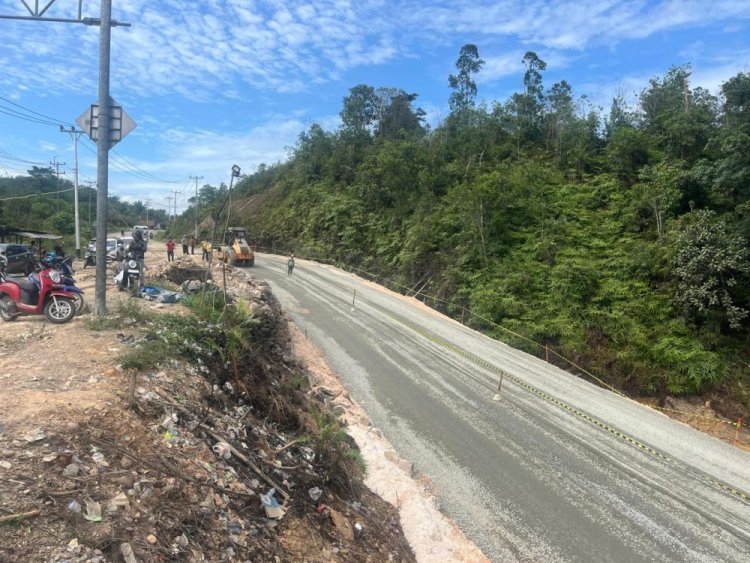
{"x": 681, "y": 118}
{"x": 399, "y": 118}
{"x": 620, "y": 115}
{"x": 528, "y": 107}
{"x": 559, "y": 118}
{"x": 464, "y": 87}
{"x": 360, "y": 107}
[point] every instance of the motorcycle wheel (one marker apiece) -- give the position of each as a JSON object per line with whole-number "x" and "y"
{"x": 6, "y": 306}
{"x": 60, "y": 312}
{"x": 78, "y": 303}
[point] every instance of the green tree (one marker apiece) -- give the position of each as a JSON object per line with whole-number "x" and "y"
{"x": 620, "y": 116}
{"x": 464, "y": 87}
{"x": 658, "y": 192}
{"x": 360, "y": 109}
{"x": 399, "y": 119}
{"x": 528, "y": 107}
{"x": 559, "y": 118}
{"x": 710, "y": 263}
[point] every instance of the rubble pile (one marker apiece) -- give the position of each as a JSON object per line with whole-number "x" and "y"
{"x": 184, "y": 268}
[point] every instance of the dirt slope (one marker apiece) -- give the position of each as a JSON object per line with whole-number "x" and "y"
{"x": 85, "y": 478}
{"x": 68, "y": 441}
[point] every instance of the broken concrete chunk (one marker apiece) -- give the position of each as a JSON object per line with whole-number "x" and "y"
{"x": 71, "y": 470}
{"x": 127, "y": 553}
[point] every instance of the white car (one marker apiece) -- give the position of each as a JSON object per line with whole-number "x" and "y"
{"x": 111, "y": 244}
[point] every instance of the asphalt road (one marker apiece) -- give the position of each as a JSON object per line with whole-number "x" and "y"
{"x": 557, "y": 470}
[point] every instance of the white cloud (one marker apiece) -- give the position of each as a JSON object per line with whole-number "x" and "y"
{"x": 572, "y": 24}
{"x": 207, "y": 153}
{"x": 198, "y": 50}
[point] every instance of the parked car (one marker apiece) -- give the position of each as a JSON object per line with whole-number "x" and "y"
{"x": 19, "y": 257}
{"x": 111, "y": 244}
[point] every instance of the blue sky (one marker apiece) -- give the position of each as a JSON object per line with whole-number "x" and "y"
{"x": 212, "y": 83}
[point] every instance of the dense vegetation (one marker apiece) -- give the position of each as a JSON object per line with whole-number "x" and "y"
{"x": 43, "y": 202}
{"x": 618, "y": 238}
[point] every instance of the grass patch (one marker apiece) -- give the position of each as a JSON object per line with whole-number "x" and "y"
{"x": 128, "y": 310}
{"x": 147, "y": 355}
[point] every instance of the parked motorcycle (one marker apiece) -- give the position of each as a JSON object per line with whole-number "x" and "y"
{"x": 19, "y": 296}
{"x": 64, "y": 265}
{"x": 90, "y": 258}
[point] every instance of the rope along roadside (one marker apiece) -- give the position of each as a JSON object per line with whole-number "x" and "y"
{"x": 522, "y": 337}
{"x": 724, "y": 487}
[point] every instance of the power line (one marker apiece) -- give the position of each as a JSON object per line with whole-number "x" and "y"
{"x": 125, "y": 165}
{"x": 18, "y": 115}
{"x": 6, "y": 155}
{"x": 130, "y": 168}
{"x": 57, "y": 121}
{"x": 37, "y": 195}
{"x": 144, "y": 171}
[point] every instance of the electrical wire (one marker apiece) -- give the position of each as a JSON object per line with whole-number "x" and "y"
{"x": 47, "y": 117}
{"x": 18, "y": 115}
{"x": 125, "y": 165}
{"x": 7, "y": 156}
{"x": 27, "y": 196}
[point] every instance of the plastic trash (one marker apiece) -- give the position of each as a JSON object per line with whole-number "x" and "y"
{"x": 93, "y": 511}
{"x": 315, "y": 493}
{"x": 271, "y": 505}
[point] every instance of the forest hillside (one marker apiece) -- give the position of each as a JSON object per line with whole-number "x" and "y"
{"x": 616, "y": 238}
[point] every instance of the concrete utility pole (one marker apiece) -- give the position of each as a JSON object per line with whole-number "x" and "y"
{"x": 196, "y": 178}
{"x": 175, "y": 192}
{"x": 92, "y": 186}
{"x": 147, "y": 203}
{"x": 75, "y": 134}
{"x": 57, "y": 164}
{"x": 102, "y": 158}
{"x": 169, "y": 206}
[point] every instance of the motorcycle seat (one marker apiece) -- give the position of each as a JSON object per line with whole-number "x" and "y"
{"x": 23, "y": 283}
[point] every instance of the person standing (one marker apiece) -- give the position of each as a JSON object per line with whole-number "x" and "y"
{"x": 184, "y": 244}
{"x": 290, "y": 265}
{"x": 192, "y": 245}
{"x": 204, "y": 248}
{"x": 170, "y": 250}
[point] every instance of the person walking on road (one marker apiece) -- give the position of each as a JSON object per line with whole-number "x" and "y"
{"x": 290, "y": 265}
{"x": 170, "y": 250}
{"x": 185, "y": 244}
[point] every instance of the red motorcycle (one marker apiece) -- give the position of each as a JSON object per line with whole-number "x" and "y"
{"x": 20, "y": 296}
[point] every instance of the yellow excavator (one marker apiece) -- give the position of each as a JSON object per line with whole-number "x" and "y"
{"x": 236, "y": 250}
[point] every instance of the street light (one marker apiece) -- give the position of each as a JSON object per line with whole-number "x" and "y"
{"x": 235, "y": 172}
